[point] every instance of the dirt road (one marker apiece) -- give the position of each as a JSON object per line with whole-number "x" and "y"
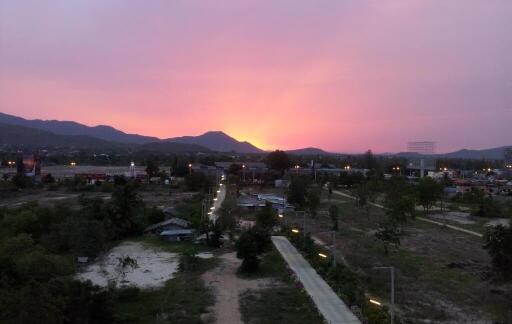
{"x": 227, "y": 288}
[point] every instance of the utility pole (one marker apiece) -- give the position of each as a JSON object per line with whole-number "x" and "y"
{"x": 333, "y": 248}
{"x": 392, "y": 308}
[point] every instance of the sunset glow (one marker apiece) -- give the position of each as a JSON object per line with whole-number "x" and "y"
{"x": 343, "y": 76}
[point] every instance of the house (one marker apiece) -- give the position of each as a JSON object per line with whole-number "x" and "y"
{"x": 170, "y": 224}
{"x": 178, "y": 235}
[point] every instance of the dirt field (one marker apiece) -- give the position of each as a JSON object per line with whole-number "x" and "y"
{"x": 442, "y": 275}
{"x": 153, "y": 268}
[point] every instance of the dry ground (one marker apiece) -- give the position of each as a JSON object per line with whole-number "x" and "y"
{"x": 228, "y": 287}
{"x": 442, "y": 275}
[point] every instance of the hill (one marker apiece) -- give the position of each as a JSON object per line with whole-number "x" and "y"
{"x": 103, "y": 132}
{"x": 172, "y": 147}
{"x": 217, "y": 141}
{"x": 496, "y": 153}
{"x": 26, "y": 137}
{"x": 308, "y": 151}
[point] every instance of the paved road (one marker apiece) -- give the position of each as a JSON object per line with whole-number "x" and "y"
{"x": 460, "y": 229}
{"x": 328, "y": 303}
{"x": 220, "y": 199}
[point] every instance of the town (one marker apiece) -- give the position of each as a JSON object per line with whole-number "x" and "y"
{"x": 229, "y": 237}
{"x": 255, "y": 162}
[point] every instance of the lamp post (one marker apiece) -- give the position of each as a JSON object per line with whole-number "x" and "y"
{"x": 392, "y": 308}
{"x": 190, "y": 168}
{"x": 243, "y": 172}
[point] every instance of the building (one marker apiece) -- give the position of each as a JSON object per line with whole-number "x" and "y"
{"x": 173, "y": 229}
{"x": 424, "y": 147}
{"x": 28, "y": 164}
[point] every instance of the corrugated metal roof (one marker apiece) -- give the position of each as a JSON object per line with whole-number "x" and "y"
{"x": 171, "y": 221}
{"x": 176, "y": 232}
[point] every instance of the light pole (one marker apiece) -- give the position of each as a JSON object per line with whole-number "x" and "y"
{"x": 392, "y": 308}
{"x": 243, "y": 173}
{"x": 190, "y": 169}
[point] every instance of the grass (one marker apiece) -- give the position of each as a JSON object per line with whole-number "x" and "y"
{"x": 283, "y": 304}
{"x": 182, "y": 300}
{"x": 286, "y": 302}
{"x": 427, "y": 286}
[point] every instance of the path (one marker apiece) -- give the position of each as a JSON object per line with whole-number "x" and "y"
{"x": 228, "y": 287}
{"x": 423, "y": 219}
{"x": 328, "y": 303}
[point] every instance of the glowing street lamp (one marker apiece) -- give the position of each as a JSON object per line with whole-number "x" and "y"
{"x": 280, "y": 215}
{"x": 296, "y": 231}
{"x": 322, "y": 255}
{"x": 373, "y": 301}
{"x": 73, "y": 164}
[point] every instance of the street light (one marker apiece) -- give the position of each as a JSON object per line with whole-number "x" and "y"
{"x": 392, "y": 308}
{"x": 373, "y": 301}
{"x": 296, "y": 231}
{"x": 322, "y": 255}
{"x": 72, "y": 163}
{"x": 190, "y": 168}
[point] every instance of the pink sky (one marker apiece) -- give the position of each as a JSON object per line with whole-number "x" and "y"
{"x": 341, "y": 75}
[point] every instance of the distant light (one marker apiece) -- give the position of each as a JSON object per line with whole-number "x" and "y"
{"x": 209, "y": 213}
{"x": 190, "y": 165}
{"x": 218, "y": 191}
{"x": 375, "y": 302}
{"x": 72, "y": 163}
{"x": 132, "y": 164}
{"x": 281, "y": 215}
{"x": 295, "y": 230}
{"x": 212, "y": 208}
{"x": 214, "y": 199}
{"x": 322, "y": 255}
{"x": 220, "y": 184}
{"x": 243, "y": 166}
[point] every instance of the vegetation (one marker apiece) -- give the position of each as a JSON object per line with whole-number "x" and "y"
{"x": 498, "y": 242}
{"x": 38, "y": 249}
{"x": 250, "y": 245}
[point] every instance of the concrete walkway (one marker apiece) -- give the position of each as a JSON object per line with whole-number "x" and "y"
{"x": 423, "y": 219}
{"x": 328, "y": 303}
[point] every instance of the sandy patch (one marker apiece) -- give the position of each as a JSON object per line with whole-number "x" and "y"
{"x": 205, "y": 255}
{"x": 499, "y": 221}
{"x": 153, "y": 269}
{"x": 454, "y": 216}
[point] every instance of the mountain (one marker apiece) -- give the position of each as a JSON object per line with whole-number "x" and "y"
{"x": 496, "y": 153}
{"x": 308, "y": 151}
{"x": 103, "y": 132}
{"x": 217, "y": 141}
{"x": 26, "y": 137}
{"x": 165, "y": 147}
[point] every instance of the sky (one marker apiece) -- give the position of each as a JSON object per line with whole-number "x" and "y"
{"x": 342, "y": 75}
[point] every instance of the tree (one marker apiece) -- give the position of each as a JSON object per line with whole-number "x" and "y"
{"x": 498, "y": 242}
{"x": 124, "y": 264}
{"x": 297, "y": 191}
{"x": 401, "y": 209}
{"x": 333, "y": 214}
{"x": 388, "y": 233}
{"x": 363, "y": 197}
{"x": 278, "y": 160}
{"x": 313, "y": 200}
{"x": 488, "y": 207}
{"x": 152, "y": 168}
{"x": 252, "y": 243}
{"x": 267, "y": 217}
{"x": 429, "y": 191}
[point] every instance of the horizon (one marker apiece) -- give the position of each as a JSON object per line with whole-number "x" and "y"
{"x": 342, "y": 77}
{"x": 266, "y": 150}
